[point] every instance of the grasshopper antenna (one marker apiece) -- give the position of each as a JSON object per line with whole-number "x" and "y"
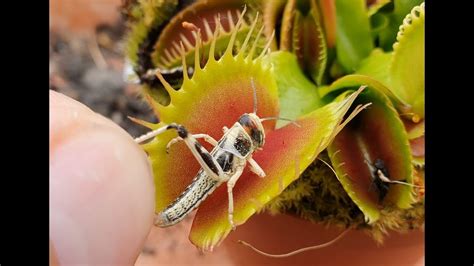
{"x": 279, "y": 118}
{"x": 296, "y": 251}
{"x": 254, "y": 96}
{"x": 266, "y": 118}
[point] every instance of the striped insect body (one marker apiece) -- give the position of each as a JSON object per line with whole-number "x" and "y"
{"x": 224, "y": 164}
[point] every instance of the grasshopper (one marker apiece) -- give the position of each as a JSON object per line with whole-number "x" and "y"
{"x": 225, "y": 163}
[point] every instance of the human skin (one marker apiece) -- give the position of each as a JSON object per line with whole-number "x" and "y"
{"x": 101, "y": 188}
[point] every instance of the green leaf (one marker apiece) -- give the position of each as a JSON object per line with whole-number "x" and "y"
{"x": 378, "y": 23}
{"x": 401, "y": 9}
{"x": 297, "y": 94}
{"x": 373, "y": 8}
{"x": 356, "y": 80}
{"x": 353, "y": 37}
{"x": 407, "y": 68}
{"x": 377, "y": 66}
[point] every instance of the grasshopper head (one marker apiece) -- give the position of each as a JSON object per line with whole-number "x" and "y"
{"x": 252, "y": 125}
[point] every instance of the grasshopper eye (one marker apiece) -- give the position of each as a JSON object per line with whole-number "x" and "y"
{"x": 245, "y": 120}
{"x": 253, "y": 128}
{"x": 257, "y": 136}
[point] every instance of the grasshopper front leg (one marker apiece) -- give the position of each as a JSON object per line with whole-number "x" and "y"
{"x": 230, "y": 186}
{"x": 254, "y": 167}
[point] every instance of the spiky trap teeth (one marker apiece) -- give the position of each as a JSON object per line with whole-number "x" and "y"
{"x": 217, "y": 29}
{"x": 213, "y": 97}
{"x": 199, "y": 67}
{"x": 159, "y": 42}
{"x": 219, "y": 66}
{"x": 216, "y": 95}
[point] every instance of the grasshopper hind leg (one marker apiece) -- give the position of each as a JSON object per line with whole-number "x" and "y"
{"x": 204, "y": 158}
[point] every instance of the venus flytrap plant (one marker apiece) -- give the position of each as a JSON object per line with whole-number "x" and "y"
{"x": 390, "y": 131}
{"x": 326, "y": 57}
{"x": 206, "y": 103}
{"x": 302, "y": 33}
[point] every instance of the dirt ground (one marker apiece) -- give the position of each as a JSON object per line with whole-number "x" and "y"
{"x": 90, "y": 70}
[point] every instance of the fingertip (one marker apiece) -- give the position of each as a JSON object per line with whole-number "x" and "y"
{"x": 68, "y": 116}
{"x": 101, "y": 191}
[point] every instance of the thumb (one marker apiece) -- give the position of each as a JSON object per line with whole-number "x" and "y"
{"x": 101, "y": 188}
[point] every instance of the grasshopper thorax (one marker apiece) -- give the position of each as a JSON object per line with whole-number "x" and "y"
{"x": 254, "y": 128}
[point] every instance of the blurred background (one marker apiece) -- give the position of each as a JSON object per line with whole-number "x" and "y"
{"x": 86, "y": 60}
{"x": 87, "y": 63}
